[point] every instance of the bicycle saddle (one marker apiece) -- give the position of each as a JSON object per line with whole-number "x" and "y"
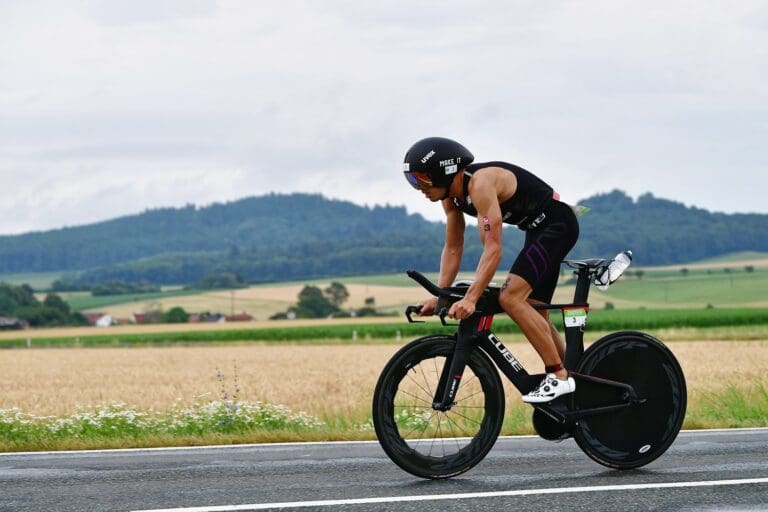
{"x": 592, "y": 263}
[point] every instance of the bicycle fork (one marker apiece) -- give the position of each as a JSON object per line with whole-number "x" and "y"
{"x": 453, "y": 369}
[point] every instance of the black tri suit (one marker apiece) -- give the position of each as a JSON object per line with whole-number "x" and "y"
{"x": 550, "y": 226}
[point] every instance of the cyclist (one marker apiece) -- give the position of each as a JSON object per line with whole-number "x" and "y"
{"x": 496, "y": 193}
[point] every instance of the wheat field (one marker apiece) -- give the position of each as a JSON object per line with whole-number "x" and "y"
{"x": 328, "y": 381}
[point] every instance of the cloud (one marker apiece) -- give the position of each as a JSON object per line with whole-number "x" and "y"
{"x": 148, "y": 11}
{"x": 134, "y": 105}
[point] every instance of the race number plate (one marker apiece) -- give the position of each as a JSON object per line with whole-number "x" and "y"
{"x": 575, "y": 317}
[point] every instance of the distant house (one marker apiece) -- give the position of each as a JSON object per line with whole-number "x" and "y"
{"x": 240, "y": 317}
{"x": 219, "y": 318}
{"x": 9, "y": 322}
{"x": 147, "y": 317}
{"x": 211, "y": 317}
{"x": 93, "y": 317}
{"x": 104, "y": 321}
{"x": 99, "y": 319}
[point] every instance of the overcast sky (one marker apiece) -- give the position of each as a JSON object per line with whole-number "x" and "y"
{"x": 111, "y": 107}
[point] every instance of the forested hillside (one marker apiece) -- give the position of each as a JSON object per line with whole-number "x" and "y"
{"x": 262, "y": 223}
{"x": 277, "y": 237}
{"x": 660, "y": 231}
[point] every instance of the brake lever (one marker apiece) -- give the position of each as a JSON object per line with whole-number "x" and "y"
{"x": 411, "y": 310}
{"x": 443, "y": 313}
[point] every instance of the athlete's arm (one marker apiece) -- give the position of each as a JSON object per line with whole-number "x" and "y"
{"x": 482, "y": 189}
{"x": 450, "y": 260}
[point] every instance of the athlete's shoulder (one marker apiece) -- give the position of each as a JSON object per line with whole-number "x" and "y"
{"x": 472, "y": 168}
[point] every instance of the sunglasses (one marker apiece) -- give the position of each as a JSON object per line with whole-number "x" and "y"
{"x": 418, "y": 180}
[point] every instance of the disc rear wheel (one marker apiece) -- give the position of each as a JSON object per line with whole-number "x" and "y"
{"x": 631, "y": 437}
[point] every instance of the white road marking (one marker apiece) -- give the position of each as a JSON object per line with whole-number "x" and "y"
{"x": 299, "y": 444}
{"x": 745, "y": 430}
{"x": 463, "y": 496}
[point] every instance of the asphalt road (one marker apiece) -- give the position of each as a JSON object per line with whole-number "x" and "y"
{"x": 702, "y": 471}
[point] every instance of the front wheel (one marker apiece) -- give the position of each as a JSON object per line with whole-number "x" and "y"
{"x": 637, "y": 435}
{"x": 430, "y": 443}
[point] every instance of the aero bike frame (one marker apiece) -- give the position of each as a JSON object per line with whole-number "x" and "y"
{"x": 475, "y": 331}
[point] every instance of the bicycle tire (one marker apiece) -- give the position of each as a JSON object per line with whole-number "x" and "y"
{"x": 429, "y": 443}
{"x": 632, "y": 437}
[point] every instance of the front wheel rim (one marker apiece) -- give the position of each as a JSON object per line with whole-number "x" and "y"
{"x": 429, "y": 443}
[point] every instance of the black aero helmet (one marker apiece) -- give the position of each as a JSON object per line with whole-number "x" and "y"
{"x": 434, "y": 162}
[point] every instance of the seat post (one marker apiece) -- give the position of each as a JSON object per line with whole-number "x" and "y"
{"x": 581, "y": 294}
{"x": 574, "y": 335}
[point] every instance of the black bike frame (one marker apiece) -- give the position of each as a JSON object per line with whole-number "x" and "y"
{"x": 476, "y": 331}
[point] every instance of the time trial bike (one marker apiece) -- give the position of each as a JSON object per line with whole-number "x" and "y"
{"x": 438, "y": 405}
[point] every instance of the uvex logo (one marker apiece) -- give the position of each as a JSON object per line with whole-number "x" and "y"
{"x": 428, "y": 156}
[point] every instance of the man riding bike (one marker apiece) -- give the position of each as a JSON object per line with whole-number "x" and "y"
{"x": 496, "y": 193}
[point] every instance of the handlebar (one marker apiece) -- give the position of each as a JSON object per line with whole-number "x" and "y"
{"x": 432, "y": 287}
{"x": 449, "y": 295}
{"x": 411, "y": 310}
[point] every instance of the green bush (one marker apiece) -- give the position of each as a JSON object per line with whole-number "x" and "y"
{"x": 175, "y": 315}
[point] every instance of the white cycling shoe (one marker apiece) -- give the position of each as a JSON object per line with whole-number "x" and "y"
{"x": 549, "y": 389}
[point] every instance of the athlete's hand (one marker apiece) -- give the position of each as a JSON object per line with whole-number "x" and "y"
{"x": 427, "y": 306}
{"x": 462, "y": 309}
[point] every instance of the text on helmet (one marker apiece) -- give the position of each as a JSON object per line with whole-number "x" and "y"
{"x": 428, "y": 156}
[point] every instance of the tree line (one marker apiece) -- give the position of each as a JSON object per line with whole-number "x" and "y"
{"x": 268, "y": 223}
{"x": 20, "y": 302}
{"x": 301, "y": 236}
{"x": 314, "y": 302}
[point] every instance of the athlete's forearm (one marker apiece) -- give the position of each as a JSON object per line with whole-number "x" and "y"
{"x": 450, "y": 261}
{"x": 486, "y": 268}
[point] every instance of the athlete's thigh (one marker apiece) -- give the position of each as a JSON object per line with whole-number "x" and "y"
{"x": 515, "y": 287}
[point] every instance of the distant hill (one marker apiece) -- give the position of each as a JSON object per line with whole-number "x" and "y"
{"x": 661, "y": 231}
{"x": 298, "y": 236}
{"x": 266, "y": 223}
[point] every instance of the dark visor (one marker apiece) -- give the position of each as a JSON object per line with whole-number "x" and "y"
{"x": 418, "y": 180}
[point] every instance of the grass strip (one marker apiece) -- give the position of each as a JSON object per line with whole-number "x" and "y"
{"x": 730, "y": 408}
{"x": 604, "y": 320}
{"x": 230, "y": 422}
{"x": 118, "y": 425}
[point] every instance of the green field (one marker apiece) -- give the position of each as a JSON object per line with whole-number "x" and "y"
{"x": 37, "y": 280}
{"x": 655, "y": 289}
{"x": 373, "y": 280}
{"x": 599, "y": 321}
{"x": 80, "y": 301}
{"x": 739, "y": 280}
{"x": 697, "y": 287}
{"x": 737, "y": 257}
